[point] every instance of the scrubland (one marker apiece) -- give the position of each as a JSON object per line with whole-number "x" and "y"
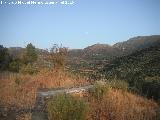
{"x": 105, "y": 101}
{"x": 110, "y": 99}
{"x": 20, "y": 90}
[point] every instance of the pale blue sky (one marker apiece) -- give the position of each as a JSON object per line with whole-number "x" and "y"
{"x": 76, "y": 26}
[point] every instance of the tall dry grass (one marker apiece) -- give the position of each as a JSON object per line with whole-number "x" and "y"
{"x": 121, "y": 105}
{"x": 20, "y": 90}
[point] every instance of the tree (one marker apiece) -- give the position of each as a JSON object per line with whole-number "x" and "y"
{"x": 4, "y": 58}
{"x": 57, "y": 56}
{"x": 29, "y": 59}
{"x": 15, "y": 65}
{"x": 31, "y": 54}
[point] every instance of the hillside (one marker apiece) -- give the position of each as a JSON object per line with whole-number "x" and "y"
{"x": 126, "y": 47}
{"x": 99, "y": 52}
{"x": 140, "y": 69}
{"x": 146, "y": 59}
{"x": 90, "y": 58}
{"x": 96, "y": 56}
{"x": 136, "y": 43}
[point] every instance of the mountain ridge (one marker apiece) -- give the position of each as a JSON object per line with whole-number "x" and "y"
{"x": 97, "y": 55}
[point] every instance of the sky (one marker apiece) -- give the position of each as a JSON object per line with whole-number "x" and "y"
{"x": 84, "y": 23}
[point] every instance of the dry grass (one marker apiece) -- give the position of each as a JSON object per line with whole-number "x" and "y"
{"x": 59, "y": 79}
{"x": 120, "y": 105}
{"x": 20, "y": 90}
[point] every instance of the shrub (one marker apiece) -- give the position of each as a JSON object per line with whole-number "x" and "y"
{"x": 99, "y": 90}
{"x": 57, "y": 56}
{"x": 5, "y": 58}
{"x": 66, "y": 107}
{"x": 15, "y": 65}
{"x": 151, "y": 87}
{"x": 29, "y": 68}
{"x": 30, "y": 55}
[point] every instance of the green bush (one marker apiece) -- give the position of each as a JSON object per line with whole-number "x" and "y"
{"x": 30, "y": 55}
{"x": 99, "y": 90}
{"x": 66, "y": 107}
{"x": 151, "y": 87}
{"x": 5, "y": 58}
{"x": 29, "y": 68}
{"x": 15, "y": 65}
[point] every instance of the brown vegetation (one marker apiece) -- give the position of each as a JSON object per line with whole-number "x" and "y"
{"x": 118, "y": 105}
{"x": 108, "y": 103}
{"x": 20, "y": 90}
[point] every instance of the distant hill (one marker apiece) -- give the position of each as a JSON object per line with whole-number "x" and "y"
{"x": 136, "y": 43}
{"x": 118, "y": 49}
{"x": 96, "y": 56}
{"x": 144, "y": 61}
{"x": 100, "y": 51}
{"x": 75, "y": 53}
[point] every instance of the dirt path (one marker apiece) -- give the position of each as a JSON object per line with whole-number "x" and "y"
{"x": 44, "y": 93}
